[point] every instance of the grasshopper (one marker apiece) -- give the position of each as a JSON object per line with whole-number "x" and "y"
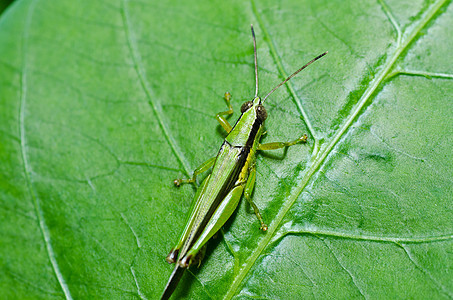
{"x": 233, "y": 174}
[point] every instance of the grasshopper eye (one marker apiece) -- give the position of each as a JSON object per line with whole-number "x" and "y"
{"x": 246, "y": 106}
{"x": 261, "y": 113}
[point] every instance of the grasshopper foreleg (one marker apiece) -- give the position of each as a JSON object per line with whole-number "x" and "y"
{"x": 203, "y": 168}
{"x": 279, "y": 145}
{"x": 250, "y": 184}
{"x": 220, "y": 116}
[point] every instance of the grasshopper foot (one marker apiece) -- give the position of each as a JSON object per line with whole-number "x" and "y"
{"x": 178, "y": 182}
{"x": 303, "y": 138}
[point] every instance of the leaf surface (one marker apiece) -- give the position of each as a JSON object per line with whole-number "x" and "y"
{"x": 103, "y": 104}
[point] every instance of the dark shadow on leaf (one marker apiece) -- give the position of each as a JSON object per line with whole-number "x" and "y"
{"x": 184, "y": 285}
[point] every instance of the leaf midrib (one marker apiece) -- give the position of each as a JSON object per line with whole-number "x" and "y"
{"x": 44, "y": 230}
{"x": 237, "y": 282}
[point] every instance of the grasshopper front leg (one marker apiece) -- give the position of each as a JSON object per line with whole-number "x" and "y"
{"x": 203, "y": 168}
{"x": 220, "y": 116}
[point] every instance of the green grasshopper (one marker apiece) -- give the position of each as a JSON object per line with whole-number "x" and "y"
{"x": 233, "y": 174}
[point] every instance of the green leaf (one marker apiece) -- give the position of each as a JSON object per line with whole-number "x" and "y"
{"x": 104, "y": 103}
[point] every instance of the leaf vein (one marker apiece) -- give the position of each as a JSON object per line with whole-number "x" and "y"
{"x": 426, "y": 272}
{"x": 425, "y": 74}
{"x": 137, "y": 239}
{"x": 392, "y": 20}
{"x": 139, "y": 292}
{"x": 343, "y": 267}
{"x": 27, "y": 168}
{"x": 384, "y": 239}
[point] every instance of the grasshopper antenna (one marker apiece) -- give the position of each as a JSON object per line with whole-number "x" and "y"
{"x": 256, "y": 62}
{"x": 292, "y": 75}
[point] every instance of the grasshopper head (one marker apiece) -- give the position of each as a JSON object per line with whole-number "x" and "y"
{"x": 257, "y": 105}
